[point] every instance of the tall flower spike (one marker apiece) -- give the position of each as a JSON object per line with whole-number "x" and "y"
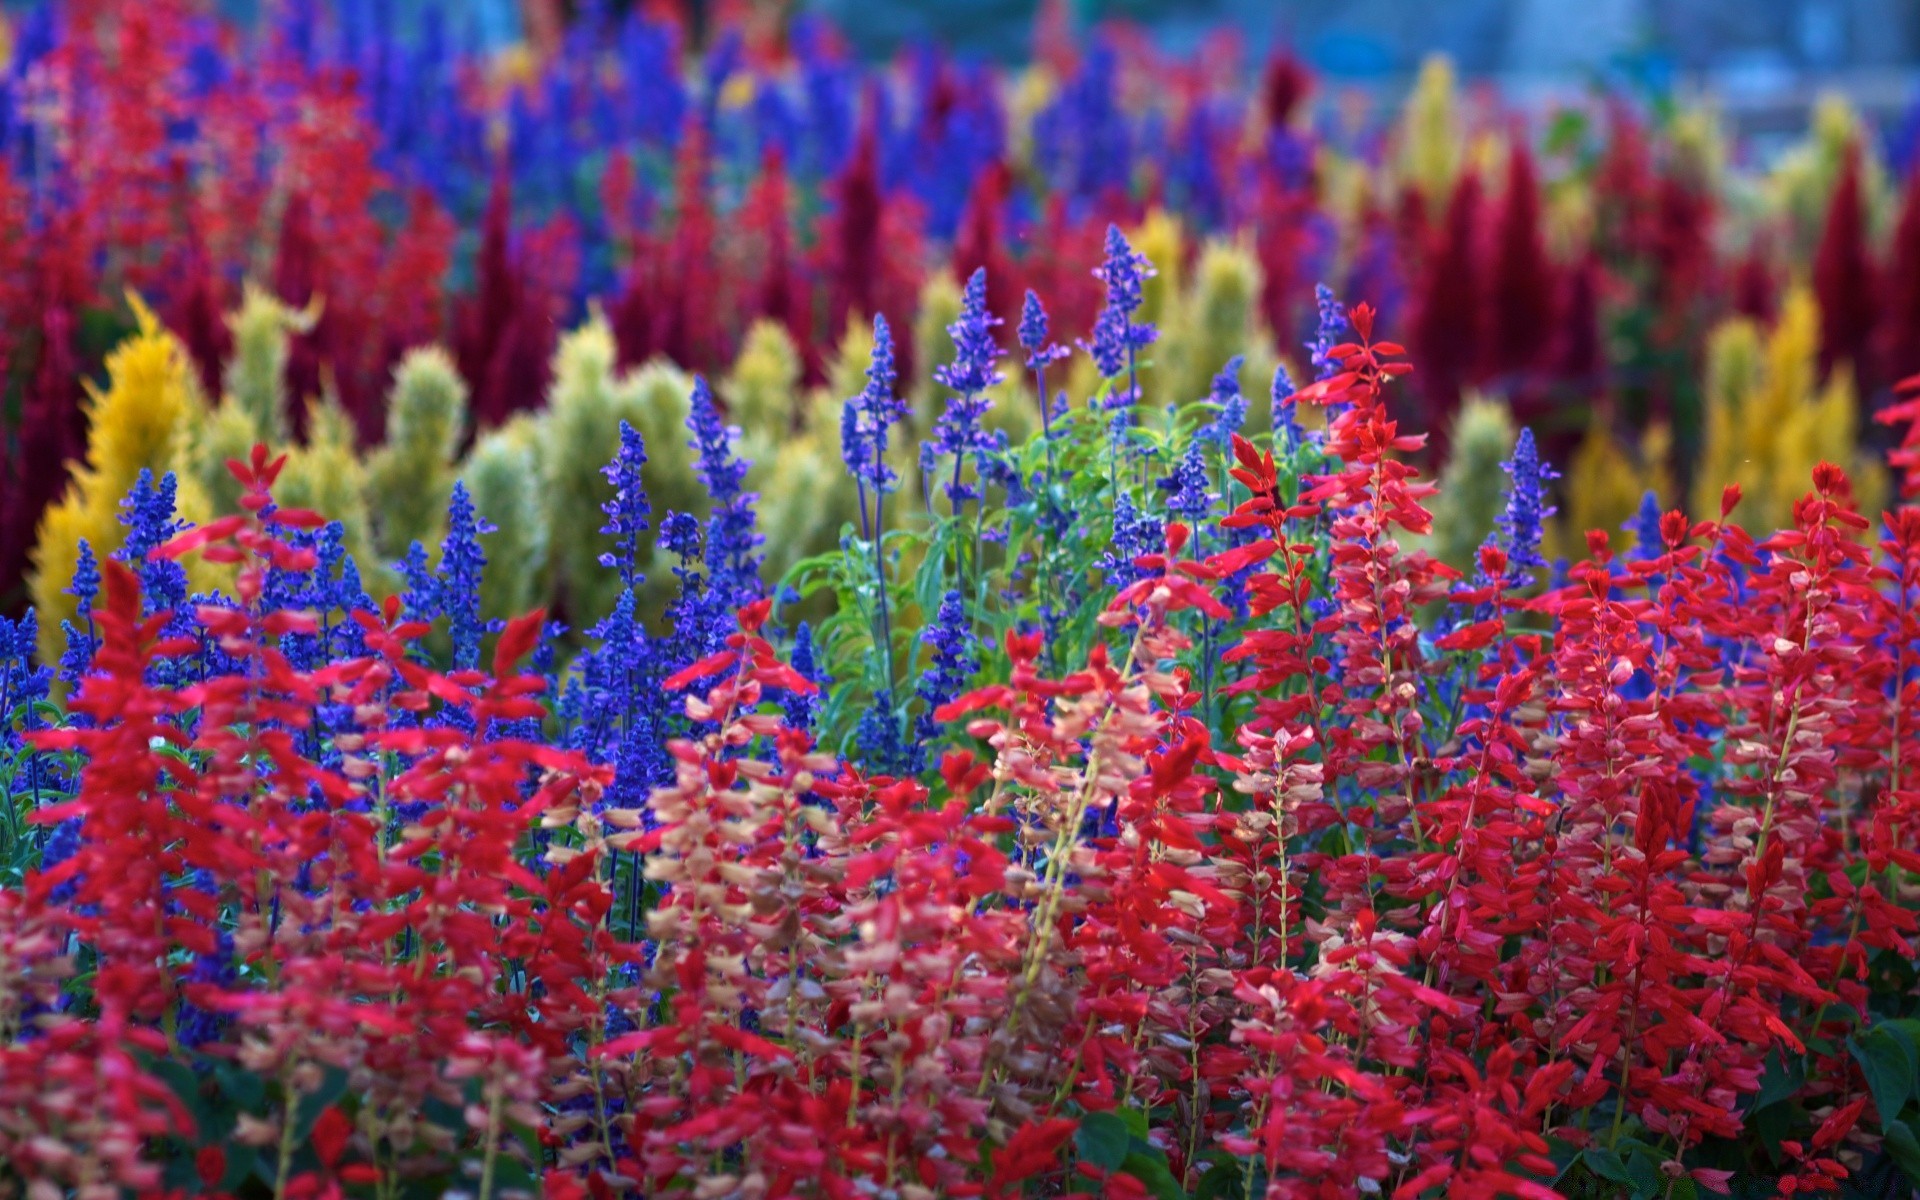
{"x": 1115, "y": 336}
{"x": 802, "y": 708}
{"x": 462, "y": 563}
{"x": 81, "y": 638}
{"x": 1135, "y": 532}
{"x": 1522, "y": 522}
{"x": 715, "y": 463}
{"x": 1332, "y": 331}
{"x": 1033, "y": 334}
{"x": 147, "y": 512}
{"x": 960, "y": 430}
{"x": 1286, "y": 430}
{"x": 697, "y": 614}
{"x": 1040, "y": 352}
{"x": 877, "y": 737}
{"x": 422, "y": 599}
{"x": 1124, "y": 271}
{"x": 1231, "y": 405}
{"x": 629, "y": 510}
{"x": 867, "y": 418}
{"x": 1644, "y": 525}
{"x": 732, "y": 564}
{"x": 1190, "y": 499}
{"x": 975, "y": 353}
{"x": 951, "y": 640}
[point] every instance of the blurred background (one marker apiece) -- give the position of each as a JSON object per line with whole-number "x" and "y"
{"x": 1678, "y": 240}
{"x": 1764, "y": 61}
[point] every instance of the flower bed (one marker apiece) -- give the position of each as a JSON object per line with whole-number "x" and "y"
{"x": 1141, "y": 814}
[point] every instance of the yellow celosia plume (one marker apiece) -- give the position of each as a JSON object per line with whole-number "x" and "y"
{"x": 1770, "y": 420}
{"x": 151, "y": 395}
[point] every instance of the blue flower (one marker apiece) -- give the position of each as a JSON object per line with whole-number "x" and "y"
{"x": 1124, "y": 271}
{"x": 1286, "y": 430}
{"x": 997, "y": 467}
{"x": 975, "y": 353}
{"x": 462, "y": 562}
{"x": 638, "y": 767}
{"x": 421, "y": 600}
{"x": 1231, "y": 406}
{"x": 1135, "y": 532}
{"x": 1084, "y": 139}
{"x": 1110, "y": 342}
{"x": 62, "y": 844}
{"x": 802, "y": 708}
{"x": 950, "y": 638}
{"x": 680, "y": 535}
{"x": 1644, "y": 525}
{"x": 1330, "y": 333}
{"x": 82, "y": 641}
{"x": 1116, "y": 339}
{"x": 699, "y": 613}
{"x": 1190, "y": 500}
{"x": 1521, "y": 522}
{"x": 22, "y": 685}
{"x": 960, "y": 431}
{"x": 198, "y": 1026}
{"x": 86, "y": 579}
{"x": 629, "y": 510}
{"x": 147, "y": 512}
{"x": 733, "y": 568}
{"x": 1033, "y": 335}
{"x": 877, "y": 738}
{"x": 866, "y": 419}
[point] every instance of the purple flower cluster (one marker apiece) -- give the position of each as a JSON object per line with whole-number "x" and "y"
{"x": 1522, "y": 522}
{"x": 960, "y": 430}
{"x": 950, "y": 638}
{"x": 1116, "y": 338}
{"x": 733, "y": 561}
{"x": 629, "y": 512}
{"x": 867, "y": 419}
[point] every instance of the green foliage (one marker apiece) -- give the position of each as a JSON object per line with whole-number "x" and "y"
{"x": 576, "y": 437}
{"x": 255, "y": 377}
{"x": 503, "y": 476}
{"x": 410, "y": 477}
{"x": 1472, "y": 484}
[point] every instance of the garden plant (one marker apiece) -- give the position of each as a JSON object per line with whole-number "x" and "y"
{"x": 616, "y": 622}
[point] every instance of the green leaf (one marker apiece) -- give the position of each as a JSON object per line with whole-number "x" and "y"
{"x": 1888, "y": 1059}
{"x": 1606, "y": 1164}
{"x": 246, "y": 1089}
{"x": 1221, "y": 1182}
{"x": 1564, "y": 1155}
{"x": 1645, "y": 1175}
{"x": 1905, "y": 1149}
{"x": 1104, "y": 1140}
{"x": 1779, "y": 1081}
{"x": 1152, "y": 1170}
{"x": 1775, "y": 1124}
{"x": 1908, "y": 1027}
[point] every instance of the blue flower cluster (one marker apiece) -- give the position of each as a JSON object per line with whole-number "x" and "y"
{"x": 867, "y": 419}
{"x": 1116, "y": 338}
{"x": 960, "y": 430}
{"x": 950, "y": 640}
{"x": 629, "y": 512}
{"x": 733, "y": 561}
{"x": 1522, "y": 523}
